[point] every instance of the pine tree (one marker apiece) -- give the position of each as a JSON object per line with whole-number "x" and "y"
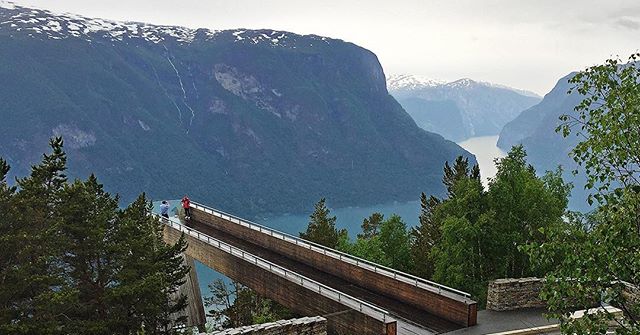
{"x": 89, "y": 217}
{"x": 322, "y": 227}
{"x": 371, "y": 226}
{"x": 424, "y": 237}
{"x": 459, "y": 170}
{"x": 103, "y": 247}
{"x": 9, "y": 246}
{"x": 73, "y": 263}
{"x": 33, "y": 278}
{"x": 150, "y": 272}
{"x": 452, "y": 174}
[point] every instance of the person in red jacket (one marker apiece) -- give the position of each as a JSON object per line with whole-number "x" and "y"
{"x": 186, "y": 206}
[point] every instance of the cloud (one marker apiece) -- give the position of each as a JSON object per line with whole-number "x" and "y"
{"x": 628, "y": 23}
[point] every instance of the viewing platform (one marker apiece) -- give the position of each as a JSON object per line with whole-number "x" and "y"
{"x": 354, "y": 295}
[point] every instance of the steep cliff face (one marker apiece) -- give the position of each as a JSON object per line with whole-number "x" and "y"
{"x": 253, "y": 121}
{"x": 535, "y": 129}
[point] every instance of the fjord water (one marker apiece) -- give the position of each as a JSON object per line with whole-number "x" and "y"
{"x": 486, "y": 150}
{"x": 350, "y": 218}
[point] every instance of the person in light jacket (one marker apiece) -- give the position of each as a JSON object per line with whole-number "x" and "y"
{"x": 164, "y": 209}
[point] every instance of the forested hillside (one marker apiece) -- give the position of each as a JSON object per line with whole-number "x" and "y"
{"x": 253, "y": 121}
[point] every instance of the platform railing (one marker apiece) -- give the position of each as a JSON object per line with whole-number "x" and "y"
{"x": 363, "y": 263}
{"x": 326, "y": 291}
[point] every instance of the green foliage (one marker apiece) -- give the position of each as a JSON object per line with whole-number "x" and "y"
{"x": 593, "y": 257}
{"x": 424, "y": 237}
{"x": 463, "y": 257}
{"x": 483, "y": 232}
{"x": 608, "y": 121}
{"x": 322, "y": 227}
{"x": 523, "y": 204}
{"x": 30, "y": 242}
{"x": 73, "y": 263}
{"x": 391, "y": 246}
{"x": 459, "y": 170}
{"x": 395, "y": 242}
{"x": 471, "y": 237}
{"x": 371, "y": 226}
{"x": 235, "y": 305}
{"x": 370, "y": 249}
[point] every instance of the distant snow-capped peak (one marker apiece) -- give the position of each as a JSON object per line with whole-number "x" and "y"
{"x": 410, "y": 82}
{"x": 517, "y": 90}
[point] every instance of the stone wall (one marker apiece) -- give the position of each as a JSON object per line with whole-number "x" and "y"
{"x": 316, "y": 325}
{"x": 631, "y": 293}
{"x": 514, "y": 293}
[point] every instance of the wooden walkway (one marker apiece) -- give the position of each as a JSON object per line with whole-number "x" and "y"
{"x": 410, "y": 319}
{"x": 387, "y": 301}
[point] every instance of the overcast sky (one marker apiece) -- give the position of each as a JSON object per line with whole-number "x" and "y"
{"x": 524, "y": 44}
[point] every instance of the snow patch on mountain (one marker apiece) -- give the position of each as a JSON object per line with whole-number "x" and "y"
{"x": 56, "y": 26}
{"x": 42, "y": 23}
{"x": 408, "y": 82}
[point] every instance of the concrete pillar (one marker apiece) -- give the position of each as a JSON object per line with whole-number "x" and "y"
{"x": 195, "y": 313}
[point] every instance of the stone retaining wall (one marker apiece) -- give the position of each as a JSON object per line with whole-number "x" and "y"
{"x": 631, "y": 293}
{"x": 316, "y": 325}
{"x": 514, "y": 293}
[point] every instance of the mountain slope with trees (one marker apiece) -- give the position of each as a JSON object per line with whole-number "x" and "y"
{"x": 252, "y": 121}
{"x": 535, "y": 129}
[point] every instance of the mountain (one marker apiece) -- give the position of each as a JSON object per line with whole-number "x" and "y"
{"x": 535, "y": 129}
{"x": 460, "y": 109}
{"x": 251, "y": 121}
{"x": 536, "y": 125}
